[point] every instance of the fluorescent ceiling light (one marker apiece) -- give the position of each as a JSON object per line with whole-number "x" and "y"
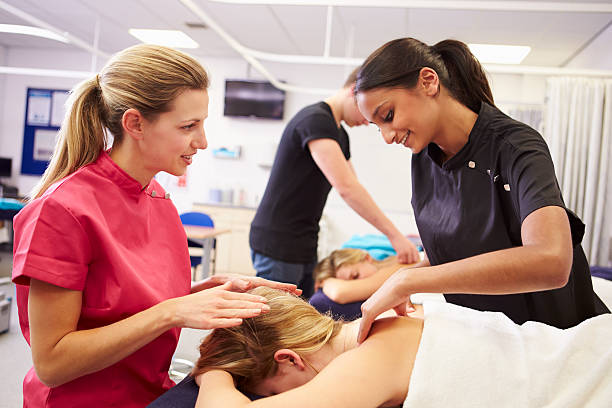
{"x": 499, "y": 54}
{"x": 29, "y": 30}
{"x": 169, "y": 38}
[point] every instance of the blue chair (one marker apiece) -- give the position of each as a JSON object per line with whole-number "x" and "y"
{"x": 201, "y": 220}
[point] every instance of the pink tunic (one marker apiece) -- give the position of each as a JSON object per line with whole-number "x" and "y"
{"x": 97, "y": 231}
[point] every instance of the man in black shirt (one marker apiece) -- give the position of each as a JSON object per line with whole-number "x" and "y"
{"x": 313, "y": 156}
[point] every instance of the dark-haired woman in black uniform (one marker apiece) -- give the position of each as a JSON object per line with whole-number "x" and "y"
{"x": 496, "y": 231}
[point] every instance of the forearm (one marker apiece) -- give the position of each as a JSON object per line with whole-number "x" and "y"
{"x": 358, "y": 198}
{"x": 343, "y": 291}
{"x": 83, "y": 352}
{"x": 217, "y": 390}
{"x": 422, "y": 263}
{"x": 513, "y": 270}
{"x": 347, "y": 291}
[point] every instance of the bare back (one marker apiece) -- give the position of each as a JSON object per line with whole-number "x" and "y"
{"x": 376, "y": 373}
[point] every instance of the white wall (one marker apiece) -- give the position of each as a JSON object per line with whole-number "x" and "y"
{"x": 384, "y": 170}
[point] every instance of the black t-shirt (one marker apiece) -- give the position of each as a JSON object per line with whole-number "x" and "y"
{"x": 475, "y": 203}
{"x": 286, "y": 224}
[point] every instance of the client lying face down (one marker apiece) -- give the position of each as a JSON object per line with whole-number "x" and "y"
{"x": 300, "y": 358}
{"x": 352, "y": 275}
{"x": 284, "y": 349}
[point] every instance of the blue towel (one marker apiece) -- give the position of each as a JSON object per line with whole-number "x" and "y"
{"x": 11, "y": 204}
{"x": 378, "y": 246}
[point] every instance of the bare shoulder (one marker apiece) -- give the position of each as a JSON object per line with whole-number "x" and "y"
{"x": 390, "y": 329}
{"x": 395, "y": 342}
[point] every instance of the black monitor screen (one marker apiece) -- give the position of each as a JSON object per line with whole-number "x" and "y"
{"x": 253, "y": 98}
{"x": 6, "y": 165}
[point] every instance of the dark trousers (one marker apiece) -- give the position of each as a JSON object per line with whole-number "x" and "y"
{"x": 280, "y": 271}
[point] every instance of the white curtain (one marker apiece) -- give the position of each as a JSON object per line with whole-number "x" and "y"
{"x": 530, "y": 114}
{"x": 578, "y": 130}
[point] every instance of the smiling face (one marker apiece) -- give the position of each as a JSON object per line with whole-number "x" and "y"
{"x": 404, "y": 116}
{"x": 172, "y": 138}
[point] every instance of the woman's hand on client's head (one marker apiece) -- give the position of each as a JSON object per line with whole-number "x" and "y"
{"x": 242, "y": 283}
{"x": 215, "y": 308}
{"x": 393, "y": 294}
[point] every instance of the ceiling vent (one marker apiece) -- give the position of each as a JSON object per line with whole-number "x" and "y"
{"x": 198, "y": 26}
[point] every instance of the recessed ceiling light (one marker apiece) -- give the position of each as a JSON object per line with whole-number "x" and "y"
{"x": 29, "y": 30}
{"x": 499, "y": 54}
{"x": 169, "y": 38}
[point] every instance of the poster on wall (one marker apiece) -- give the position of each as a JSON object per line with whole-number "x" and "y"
{"x": 45, "y": 110}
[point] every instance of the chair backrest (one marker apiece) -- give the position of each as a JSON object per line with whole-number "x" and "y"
{"x": 197, "y": 218}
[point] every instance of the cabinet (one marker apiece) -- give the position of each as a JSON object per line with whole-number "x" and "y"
{"x": 233, "y": 253}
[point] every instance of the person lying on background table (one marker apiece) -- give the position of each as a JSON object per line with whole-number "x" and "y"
{"x": 312, "y": 157}
{"x": 297, "y": 357}
{"x": 350, "y": 274}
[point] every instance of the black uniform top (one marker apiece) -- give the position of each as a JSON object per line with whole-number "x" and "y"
{"x": 286, "y": 224}
{"x": 475, "y": 203}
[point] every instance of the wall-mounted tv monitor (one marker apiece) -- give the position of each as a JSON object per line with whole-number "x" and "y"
{"x": 249, "y": 98}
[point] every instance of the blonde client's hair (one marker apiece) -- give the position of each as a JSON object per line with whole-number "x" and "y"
{"x": 327, "y": 267}
{"x": 144, "y": 77}
{"x": 247, "y": 351}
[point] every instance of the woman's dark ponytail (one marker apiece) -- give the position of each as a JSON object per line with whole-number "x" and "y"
{"x": 468, "y": 81}
{"x": 398, "y": 63}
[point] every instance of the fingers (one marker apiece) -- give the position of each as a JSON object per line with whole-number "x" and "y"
{"x": 245, "y": 283}
{"x": 227, "y": 285}
{"x": 411, "y": 256}
{"x": 241, "y": 313}
{"x": 368, "y": 316}
{"x": 404, "y": 258}
{"x": 287, "y": 287}
{"x": 400, "y": 309}
{"x": 241, "y": 304}
{"x": 408, "y": 306}
{"x": 224, "y": 323}
{"x": 364, "y": 329}
{"x": 247, "y": 297}
{"x": 240, "y": 285}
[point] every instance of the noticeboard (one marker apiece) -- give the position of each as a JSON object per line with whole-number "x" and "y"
{"x": 44, "y": 114}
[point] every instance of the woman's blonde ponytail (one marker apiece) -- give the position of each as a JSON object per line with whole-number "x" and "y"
{"x": 80, "y": 139}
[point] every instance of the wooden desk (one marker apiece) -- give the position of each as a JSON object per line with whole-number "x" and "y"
{"x": 197, "y": 232}
{"x": 206, "y": 236}
{"x": 234, "y": 252}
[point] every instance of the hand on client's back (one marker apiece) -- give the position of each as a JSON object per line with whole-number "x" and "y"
{"x": 407, "y": 252}
{"x": 389, "y": 296}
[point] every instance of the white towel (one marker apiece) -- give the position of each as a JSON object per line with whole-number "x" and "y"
{"x": 476, "y": 359}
